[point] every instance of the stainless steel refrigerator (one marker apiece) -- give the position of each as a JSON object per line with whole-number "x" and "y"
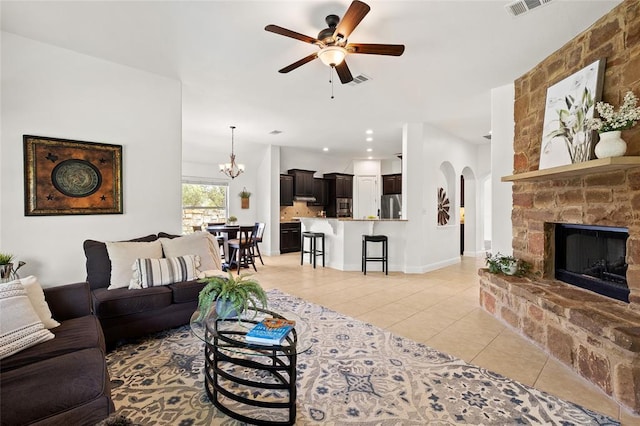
{"x": 391, "y": 206}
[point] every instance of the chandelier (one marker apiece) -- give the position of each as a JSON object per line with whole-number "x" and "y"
{"x": 232, "y": 169}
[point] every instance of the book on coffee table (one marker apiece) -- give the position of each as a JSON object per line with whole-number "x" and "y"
{"x": 270, "y": 331}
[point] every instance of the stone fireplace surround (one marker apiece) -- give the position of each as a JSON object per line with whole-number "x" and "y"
{"x": 596, "y": 336}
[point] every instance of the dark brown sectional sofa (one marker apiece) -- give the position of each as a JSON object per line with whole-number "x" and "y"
{"x": 63, "y": 381}
{"x": 126, "y": 313}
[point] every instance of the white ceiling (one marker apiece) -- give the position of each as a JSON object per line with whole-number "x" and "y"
{"x": 456, "y": 52}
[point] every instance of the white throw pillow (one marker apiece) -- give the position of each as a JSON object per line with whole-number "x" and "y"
{"x": 201, "y": 244}
{"x": 124, "y": 254}
{"x": 36, "y": 297}
{"x": 20, "y": 326}
{"x": 155, "y": 272}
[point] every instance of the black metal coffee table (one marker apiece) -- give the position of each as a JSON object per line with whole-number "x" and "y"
{"x": 250, "y": 382}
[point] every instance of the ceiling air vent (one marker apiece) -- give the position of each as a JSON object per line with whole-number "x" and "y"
{"x": 275, "y": 132}
{"x": 359, "y": 79}
{"x": 520, "y": 7}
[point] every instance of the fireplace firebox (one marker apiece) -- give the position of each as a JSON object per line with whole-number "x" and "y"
{"x": 593, "y": 257}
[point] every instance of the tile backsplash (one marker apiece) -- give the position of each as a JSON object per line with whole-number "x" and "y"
{"x": 299, "y": 209}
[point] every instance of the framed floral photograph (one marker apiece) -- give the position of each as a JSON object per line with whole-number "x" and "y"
{"x": 67, "y": 177}
{"x": 566, "y": 135}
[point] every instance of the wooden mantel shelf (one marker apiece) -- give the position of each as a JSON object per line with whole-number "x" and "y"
{"x": 579, "y": 169}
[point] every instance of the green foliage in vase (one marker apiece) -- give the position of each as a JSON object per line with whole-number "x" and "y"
{"x": 500, "y": 264}
{"x": 5, "y": 258}
{"x": 242, "y": 292}
{"x": 244, "y": 193}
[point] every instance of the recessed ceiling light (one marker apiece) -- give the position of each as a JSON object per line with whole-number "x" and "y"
{"x": 369, "y": 132}
{"x": 370, "y": 158}
{"x": 369, "y": 139}
{"x": 369, "y": 149}
{"x": 325, "y": 149}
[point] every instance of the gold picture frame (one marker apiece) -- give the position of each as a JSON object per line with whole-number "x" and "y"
{"x": 69, "y": 177}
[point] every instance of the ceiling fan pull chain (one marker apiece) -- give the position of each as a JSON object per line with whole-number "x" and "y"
{"x": 331, "y": 80}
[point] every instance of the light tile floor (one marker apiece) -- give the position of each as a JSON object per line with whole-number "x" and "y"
{"x": 441, "y": 309}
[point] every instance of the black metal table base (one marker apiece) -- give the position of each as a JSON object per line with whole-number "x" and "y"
{"x": 226, "y": 390}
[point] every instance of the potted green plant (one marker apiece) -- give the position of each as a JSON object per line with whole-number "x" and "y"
{"x": 231, "y": 220}
{"x": 6, "y": 267}
{"x": 230, "y": 295}
{"x": 244, "y": 196}
{"x": 508, "y": 265}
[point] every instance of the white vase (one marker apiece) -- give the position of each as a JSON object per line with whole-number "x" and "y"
{"x": 610, "y": 145}
{"x": 511, "y": 268}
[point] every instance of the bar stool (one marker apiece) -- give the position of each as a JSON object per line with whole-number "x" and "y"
{"x": 383, "y": 258}
{"x": 313, "y": 247}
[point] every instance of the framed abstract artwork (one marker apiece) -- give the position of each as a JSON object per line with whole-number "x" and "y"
{"x": 570, "y": 105}
{"x": 67, "y": 177}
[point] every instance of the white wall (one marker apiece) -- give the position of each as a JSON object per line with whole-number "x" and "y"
{"x": 318, "y": 161}
{"x": 441, "y": 244}
{"x": 250, "y": 179}
{"x": 268, "y": 198}
{"x": 502, "y": 128}
{"x": 48, "y": 91}
{"x": 390, "y": 166}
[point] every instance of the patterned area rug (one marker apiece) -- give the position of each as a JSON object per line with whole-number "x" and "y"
{"x": 355, "y": 373}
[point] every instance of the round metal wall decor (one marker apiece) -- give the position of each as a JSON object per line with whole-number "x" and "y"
{"x": 443, "y": 207}
{"x": 76, "y": 178}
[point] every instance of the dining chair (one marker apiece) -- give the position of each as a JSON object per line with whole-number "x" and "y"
{"x": 258, "y": 239}
{"x": 241, "y": 248}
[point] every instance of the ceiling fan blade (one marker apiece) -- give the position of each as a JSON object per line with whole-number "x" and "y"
{"x": 352, "y": 17}
{"x": 376, "y": 49}
{"x": 343, "y": 72}
{"x": 288, "y": 33}
{"x": 301, "y": 62}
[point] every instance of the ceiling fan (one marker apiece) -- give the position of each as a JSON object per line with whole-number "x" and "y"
{"x": 333, "y": 44}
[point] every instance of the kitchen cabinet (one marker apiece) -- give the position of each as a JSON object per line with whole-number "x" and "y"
{"x": 392, "y": 184}
{"x": 340, "y": 185}
{"x": 320, "y": 192}
{"x": 302, "y": 182}
{"x": 286, "y": 190}
{"x": 290, "y": 236}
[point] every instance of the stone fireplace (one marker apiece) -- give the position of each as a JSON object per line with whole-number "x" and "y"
{"x": 596, "y": 335}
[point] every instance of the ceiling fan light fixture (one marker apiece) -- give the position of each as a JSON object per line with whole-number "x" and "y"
{"x": 332, "y": 55}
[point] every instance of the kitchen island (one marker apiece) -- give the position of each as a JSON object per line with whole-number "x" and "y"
{"x": 343, "y": 241}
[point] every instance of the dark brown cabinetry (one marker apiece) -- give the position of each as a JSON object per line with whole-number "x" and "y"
{"x": 286, "y": 190}
{"x": 339, "y": 187}
{"x": 392, "y": 184}
{"x": 320, "y": 192}
{"x": 290, "y": 235}
{"x": 302, "y": 182}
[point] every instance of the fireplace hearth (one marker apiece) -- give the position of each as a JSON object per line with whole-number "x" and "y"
{"x": 593, "y": 257}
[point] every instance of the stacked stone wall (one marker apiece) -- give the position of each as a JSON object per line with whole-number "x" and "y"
{"x": 609, "y": 198}
{"x": 598, "y": 337}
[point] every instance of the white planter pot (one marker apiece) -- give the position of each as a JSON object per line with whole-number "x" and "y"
{"x": 610, "y": 145}
{"x": 510, "y": 269}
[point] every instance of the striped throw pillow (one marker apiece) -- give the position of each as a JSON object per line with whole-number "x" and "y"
{"x": 156, "y": 272}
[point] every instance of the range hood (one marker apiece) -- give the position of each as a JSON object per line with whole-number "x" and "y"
{"x": 307, "y": 199}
